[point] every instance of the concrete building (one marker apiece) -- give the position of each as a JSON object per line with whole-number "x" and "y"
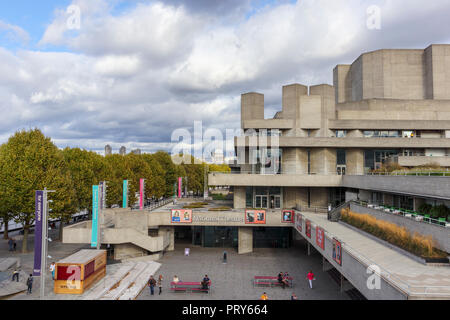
{"x": 136, "y": 151}
{"x": 123, "y": 150}
{"x": 387, "y": 106}
{"x": 108, "y": 150}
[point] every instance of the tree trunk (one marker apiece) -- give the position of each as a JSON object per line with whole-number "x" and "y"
{"x": 5, "y": 234}
{"x": 25, "y": 239}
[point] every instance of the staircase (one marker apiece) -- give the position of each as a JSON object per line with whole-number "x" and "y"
{"x": 335, "y": 214}
{"x": 124, "y": 282}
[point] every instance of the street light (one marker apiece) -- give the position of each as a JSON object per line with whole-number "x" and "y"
{"x": 45, "y": 239}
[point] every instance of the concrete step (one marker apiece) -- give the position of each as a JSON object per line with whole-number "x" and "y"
{"x": 7, "y": 263}
{"x": 141, "y": 281}
{"x": 9, "y": 287}
{"x": 110, "y": 280}
{"x": 126, "y": 282}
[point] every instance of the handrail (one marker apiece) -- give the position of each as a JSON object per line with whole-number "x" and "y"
{"x": 411, "y": 173}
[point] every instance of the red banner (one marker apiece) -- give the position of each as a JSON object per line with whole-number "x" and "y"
{"x": 287, "y": 216}
{"x": 320, "y": 237}
{"x": 308, "y": 228}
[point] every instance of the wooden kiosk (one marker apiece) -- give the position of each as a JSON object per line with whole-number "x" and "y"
{"x": 76, "y": 273}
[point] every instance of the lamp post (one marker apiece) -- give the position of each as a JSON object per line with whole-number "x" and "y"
{"x": 44, "y": 243}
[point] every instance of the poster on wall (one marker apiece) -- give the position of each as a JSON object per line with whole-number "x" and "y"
{"x": 298, "y": 222}
{"x": 181, "y": 216}
{"x": 308, "y": 228}
{"x": 320, "y": 237}
{"x": 287, "y": 216}
{"x": 255, "y": 216}
{"x": 337, "y": 251}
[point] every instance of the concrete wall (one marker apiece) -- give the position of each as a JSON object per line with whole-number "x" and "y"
{"x": 245, "y": 242}
{"x": 278, "y": 180}
{"x": 440, "y": 235}
{"x": 396, "y": 74}
{"x": 294, "y": 161}
{"x": 426, "y": 187}
{"x": 355, "y": 161}
{"x": 252, "y": 107}
{"x": 295, "y": 197}
{"x": 323, "y": 161}
{"x": 238, "y": 197}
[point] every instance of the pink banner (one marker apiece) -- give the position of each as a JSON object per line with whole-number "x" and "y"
{"x": 179, "y": 187}
{"x": 141, "y": 194}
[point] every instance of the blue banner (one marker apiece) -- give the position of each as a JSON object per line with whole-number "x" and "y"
{"x": 125, "y": 194}
{"x": 94, "y": 216}
{"x": 39, "y": 211}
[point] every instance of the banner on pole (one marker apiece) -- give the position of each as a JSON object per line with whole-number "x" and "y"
{"x": 125, "y": 194}
{"x": 141, "y": 194}
{"x": 179, "y": 187}
{"x": 94, "y": 237}
{"x": 39, "y": 208}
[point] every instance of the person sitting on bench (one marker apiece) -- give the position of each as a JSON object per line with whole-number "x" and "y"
{"x": 205, "y": 282}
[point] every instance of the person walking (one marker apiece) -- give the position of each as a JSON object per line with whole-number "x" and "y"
{"x": 294, "y": 297}
{"x": 15, "y": 275}
{"x": 14, "y": 245}
{"x": 10, "y": 244}
{"x": 151, "y": 284}
{"x": 175, "y": 279}
{"x": 160, "y": 279}
{"x": 264, "y": 297}
{"x": 52, "y": 269}
{"x": 310, "y": 277}
{"x": 30, "y": 284}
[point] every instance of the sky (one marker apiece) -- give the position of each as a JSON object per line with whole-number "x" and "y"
{"x": 124, "y": 72}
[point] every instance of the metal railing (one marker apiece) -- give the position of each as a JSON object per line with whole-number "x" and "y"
{"x": 330, "y": 173}
{"x": 158, "y": 204}
{"x": 411, "y": 173}
{"x": 409, "y": 214}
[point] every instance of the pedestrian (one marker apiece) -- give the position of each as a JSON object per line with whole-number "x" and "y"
{"x": 310, "y": 277}
{"x": 205, "y": 283}
{"x": 10, "y": 243}
{"x": 264, "y": 297}
{"x": 160, "y": 279}
{"x": 15, "y": 275}
{"x": 14, "y": 244}
{"x": 151, "y": 284}
{"x": 224, "y": 257}
{"x": 294, "y": 296}
{"x": 52, "y": 269}
{"x": 175, "y": 279}
{"x": 30, "y": 284}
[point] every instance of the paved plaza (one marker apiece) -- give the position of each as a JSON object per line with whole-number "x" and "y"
{"x": 233, "y": 280}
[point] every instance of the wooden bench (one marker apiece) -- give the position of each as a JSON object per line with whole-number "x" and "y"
{"x": 189, "y": 287}
{"x": 270, "y": 281}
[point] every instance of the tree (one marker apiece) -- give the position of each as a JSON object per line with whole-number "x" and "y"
{"x": 30, "y": 162}
{"x": 155, "y": 185}
{"x": 170, "y": 169}
{"x": 5, "y": 213}
{"x": 119, "y": 171}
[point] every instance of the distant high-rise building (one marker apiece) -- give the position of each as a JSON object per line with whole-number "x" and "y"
{"x": 108, "y": 150}
{"x": 122, "y": 151}
{"x": 136, "y": 151}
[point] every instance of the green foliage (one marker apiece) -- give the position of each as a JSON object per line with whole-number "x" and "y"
{"x": 30, "y": 162}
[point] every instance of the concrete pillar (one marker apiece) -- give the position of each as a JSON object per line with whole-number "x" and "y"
{"x": 309, "y": 249}
{"x": 319, "y": 197}
{"x": 323, "y": 161}
{"x": 291, "y": 100}
{"x": 340, "y": 75}
{"x": 245, "y": 240}
{"x": 252, "y": 107}
{"x": 355, "y": 161}
{"x": 294, "y": 161}
{"x": 239, "y": 197}
{"x": 417, "y": 203}
{"x": 326, "y": 265}
{"x": 295, "y": 197}
{"x": 162, "y": 231}
{"x": 388, "y": 199}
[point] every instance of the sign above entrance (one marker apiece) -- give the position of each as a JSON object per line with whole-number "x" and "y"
{"x": 287, "y": 216}
{"x": 255, "y": 216}
{"x": 181, "y": 216}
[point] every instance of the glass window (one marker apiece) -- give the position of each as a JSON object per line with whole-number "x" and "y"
{"x": 341, "y": 133}
{"x": 340, "y": 155}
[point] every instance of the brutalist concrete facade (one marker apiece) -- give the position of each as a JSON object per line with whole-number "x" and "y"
{"x": 388, "y": 105}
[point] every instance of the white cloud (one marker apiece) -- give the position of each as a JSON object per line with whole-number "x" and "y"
{"x": 14, "y": 33}
{"x": 135, "y": 76}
